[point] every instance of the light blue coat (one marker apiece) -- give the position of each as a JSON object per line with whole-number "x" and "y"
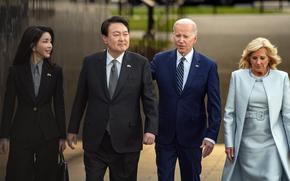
{"x": 278, "y": 94}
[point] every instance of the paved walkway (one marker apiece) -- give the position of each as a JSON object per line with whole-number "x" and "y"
{"x": 212, "y": 165}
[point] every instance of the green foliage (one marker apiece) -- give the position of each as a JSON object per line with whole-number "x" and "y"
{"x": 137, "y": 15}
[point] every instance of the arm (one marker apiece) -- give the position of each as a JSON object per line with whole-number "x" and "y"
{"x": 58, "y": 104}
{"x": 286, "y": 109}
{"x": 149, "y": 105}
{"x": 79, "y": 105}
{"x": 213, "y": 104}
{"x": 153, "y": 66}
{"x": 8, "y": 105}
{"x": 229, "y": 120}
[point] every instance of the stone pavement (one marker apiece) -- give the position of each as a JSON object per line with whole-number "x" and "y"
{"x": 212, "y": 165}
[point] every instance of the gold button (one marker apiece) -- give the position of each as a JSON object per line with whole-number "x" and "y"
{"x": 34, "y": 108}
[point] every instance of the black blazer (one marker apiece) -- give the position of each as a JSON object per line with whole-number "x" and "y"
{"x": 123, "y": 111}
{"x": 46, "y": 111}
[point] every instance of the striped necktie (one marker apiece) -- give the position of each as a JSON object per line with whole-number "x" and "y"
{"x": 179, "y": 75}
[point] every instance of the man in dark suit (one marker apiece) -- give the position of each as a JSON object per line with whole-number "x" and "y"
{"x": 110, "y": 87}
{"x": 187, "y": 128}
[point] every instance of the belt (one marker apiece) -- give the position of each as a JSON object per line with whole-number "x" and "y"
{"x": 259, "y": 115}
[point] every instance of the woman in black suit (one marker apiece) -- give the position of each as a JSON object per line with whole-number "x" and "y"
{"x": 33, "y": 121}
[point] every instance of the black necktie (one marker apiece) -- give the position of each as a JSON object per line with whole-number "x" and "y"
{"x": 179, "y": 75}
{"x": 113, "y": 78}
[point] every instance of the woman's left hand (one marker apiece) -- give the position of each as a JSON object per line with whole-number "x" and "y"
{"x": 62, "y": 145}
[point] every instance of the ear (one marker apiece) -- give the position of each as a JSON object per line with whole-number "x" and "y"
{"x": 105, "y": 39}
{"x": 195, "y": 39}
{"x": 32, "y": 47}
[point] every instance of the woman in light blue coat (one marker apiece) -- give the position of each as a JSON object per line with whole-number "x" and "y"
{"x": 257, "y": 117}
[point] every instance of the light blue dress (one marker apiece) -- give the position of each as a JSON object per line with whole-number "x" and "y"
{"x": 258, "y": 158}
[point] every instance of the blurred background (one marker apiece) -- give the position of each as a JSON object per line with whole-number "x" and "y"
{"x": 225, "y": 27}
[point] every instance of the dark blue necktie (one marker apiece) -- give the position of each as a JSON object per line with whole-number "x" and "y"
{"x": 179, "y": 75}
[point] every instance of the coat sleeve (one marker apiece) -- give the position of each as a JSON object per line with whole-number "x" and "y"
{"x": 149, "y": 101}
{"x": 230, "y": 114}
{"x": 213, "y": 104}
{"x": 58, "y": 102}
{"x": 8, "y": 105}
{"x": 80, "y": 101}
{"x": 286, "y": 109}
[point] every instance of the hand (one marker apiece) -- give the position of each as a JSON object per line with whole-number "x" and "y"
{"x": 72, "y": 140}
{"x": 4, "y": 145}
{"x": 148, "y": 138}
{"x": 206, "y": 147}
{"x": 62, "y": 145}
{"x": 230, "y": 151}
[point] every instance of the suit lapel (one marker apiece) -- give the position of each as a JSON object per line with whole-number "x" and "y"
{"x": 101, "y": 73}
{"x": 271, "y": 91}
{"x": 246, "y": 83}
{"x": 124, "y": 72}
{"x": 46, "y": 74}
{"x": 195, "y": 63}
{"x": 28, "y": 81}
{"x": 172, "y": 67}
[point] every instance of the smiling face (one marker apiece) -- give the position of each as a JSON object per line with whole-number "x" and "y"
{"x": 43, "y": 47}
{"x": 184, "y": 38}
{"x": 259, "y": 61}
{"x": 117, "y": 40}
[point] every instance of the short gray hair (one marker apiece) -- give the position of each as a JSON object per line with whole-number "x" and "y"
{"x": 186, "y": 21}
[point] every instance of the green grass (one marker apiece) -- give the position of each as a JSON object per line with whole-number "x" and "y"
{"x": 137, "y": 16}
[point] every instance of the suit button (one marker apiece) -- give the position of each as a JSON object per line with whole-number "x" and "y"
{"x": 34, "y": 108}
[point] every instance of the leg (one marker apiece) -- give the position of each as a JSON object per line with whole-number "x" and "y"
{"x": 20, "y": 164}
{"x": 46, "y": 160}
{"x": 189, "y": 163}
{"x": 166, "y": 157}
{"x": 124, "y": 167}
{"x": 95, "y": 167}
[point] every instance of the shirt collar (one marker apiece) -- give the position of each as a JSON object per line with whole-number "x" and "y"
{"x": 188, "y": 56}
{"x": 110, "y": 58}
{"x": 39, "y": 64}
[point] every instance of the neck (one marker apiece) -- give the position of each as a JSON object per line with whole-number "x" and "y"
{"x": 35, "y": 59}
{"x": 114, "y": 54}
{"x": 260, "y": 74}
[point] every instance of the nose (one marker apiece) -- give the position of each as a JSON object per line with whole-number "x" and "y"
{"x": 49, "y": 45}
{"x": 259, "y": 61}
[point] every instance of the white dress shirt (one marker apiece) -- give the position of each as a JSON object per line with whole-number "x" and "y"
{"x": 109, "y": 65}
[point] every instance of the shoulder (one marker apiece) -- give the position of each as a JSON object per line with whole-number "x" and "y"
{"x": 278, "y": 73}
{"x": 204, "y": 58}
{"x": 133, "y": 55}
{"x": 94, "y": 56}
{"x": 166, "y": 53}
{"x": 240, "y": 72}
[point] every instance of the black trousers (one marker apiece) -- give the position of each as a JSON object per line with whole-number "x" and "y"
{"x": 34, "y": 160}
{"x": 122, "y": 166}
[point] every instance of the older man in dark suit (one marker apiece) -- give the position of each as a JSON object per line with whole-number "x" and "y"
{"x": 187, "y": 128}
{"x": 110, "y": 87}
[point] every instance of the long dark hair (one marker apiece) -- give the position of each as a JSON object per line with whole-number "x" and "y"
{"x": 29, "y": 39}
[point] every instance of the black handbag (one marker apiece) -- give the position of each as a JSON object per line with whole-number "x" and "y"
{"x": 62, "y": 170}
